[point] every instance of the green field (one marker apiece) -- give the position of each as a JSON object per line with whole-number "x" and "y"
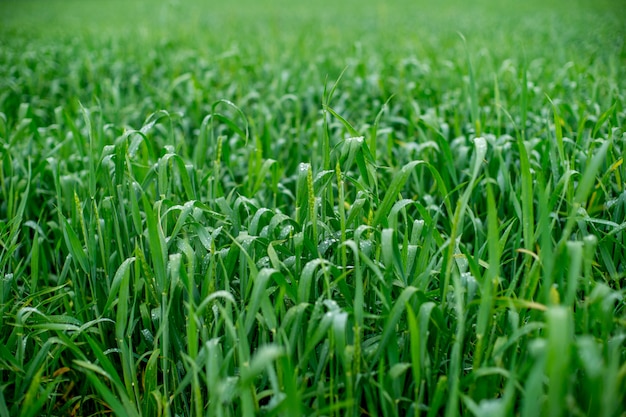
{"x": 344, "y": 208}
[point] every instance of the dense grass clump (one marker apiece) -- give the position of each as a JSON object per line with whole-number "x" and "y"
{"x": 386, "y": 209}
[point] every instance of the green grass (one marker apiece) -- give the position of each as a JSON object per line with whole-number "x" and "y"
{"x": 382, "y": 209}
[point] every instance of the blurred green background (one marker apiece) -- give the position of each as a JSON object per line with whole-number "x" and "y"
{"x": 594, "y": 28}
{"x": 167, "y": 17}
{"x": 255, "y": 42}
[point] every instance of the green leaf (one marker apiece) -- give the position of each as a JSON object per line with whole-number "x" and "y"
{"x": 393, "y": 318}
{"x": 393, "y": 190}
{"x": 75, "y": 246}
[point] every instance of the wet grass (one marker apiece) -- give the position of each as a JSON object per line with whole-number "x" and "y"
{"x": 400, "y": 209}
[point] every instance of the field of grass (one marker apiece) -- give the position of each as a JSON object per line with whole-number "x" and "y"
{"x": 343, "y": 208}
